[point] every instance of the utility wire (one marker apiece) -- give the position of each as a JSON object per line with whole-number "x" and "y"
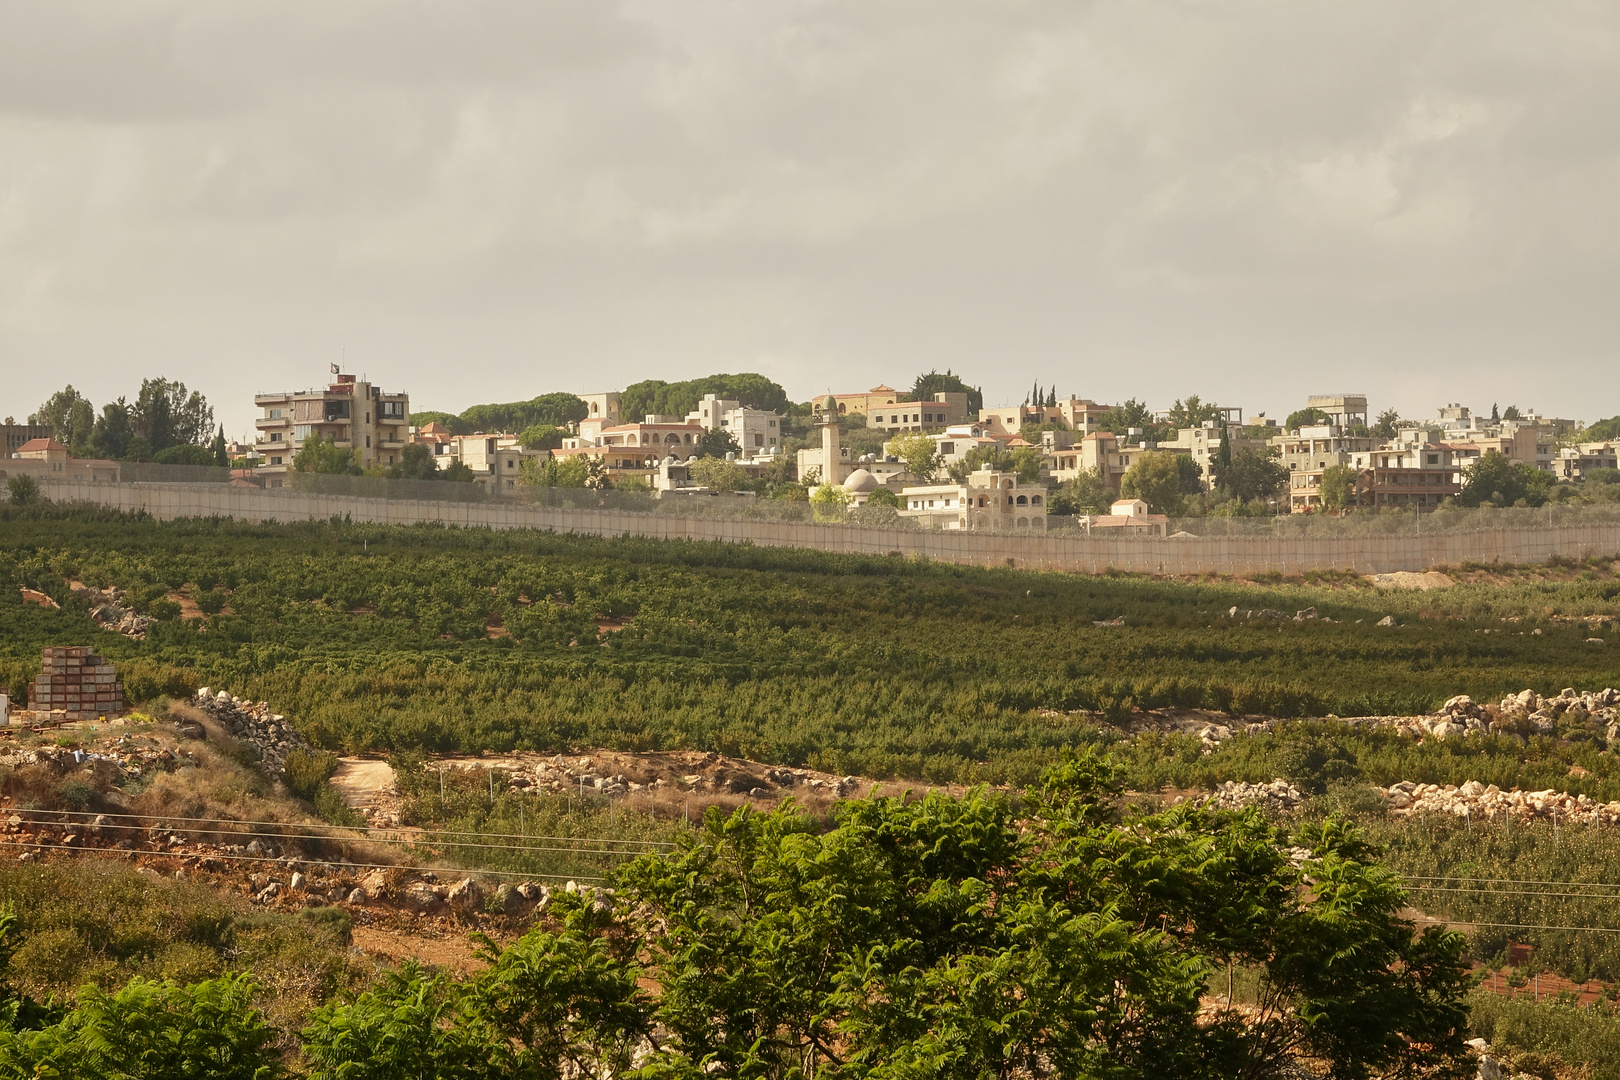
{"x": 367, "y": 829}
{"x": 111, "y": 852}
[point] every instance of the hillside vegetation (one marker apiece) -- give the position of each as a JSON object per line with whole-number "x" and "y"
{"x": 394, "y": 638}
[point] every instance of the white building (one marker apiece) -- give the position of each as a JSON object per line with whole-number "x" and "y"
{"x": 989, "y": 502}
{"x": 757, "y": 431}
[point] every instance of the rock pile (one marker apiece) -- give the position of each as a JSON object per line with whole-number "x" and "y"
{"x": 1594, "y": 713}
{"x": 253, "y": 723}
{"x": 1489, "y": 802}
{"x": 107, "y": 608}
{"x": 714, "y": 775}
{"x": 1277, "y": 795}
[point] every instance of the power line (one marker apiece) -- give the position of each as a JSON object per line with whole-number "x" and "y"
{"x": 366, "y": 829}
{"x": 113, "y": 852}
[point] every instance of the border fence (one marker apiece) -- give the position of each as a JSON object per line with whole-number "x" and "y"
{"x": 1368, "y": 543}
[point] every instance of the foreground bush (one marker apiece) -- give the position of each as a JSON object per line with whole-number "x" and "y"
{"x": 940, "y": 937}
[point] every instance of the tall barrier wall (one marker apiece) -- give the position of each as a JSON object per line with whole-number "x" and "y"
{"x": 1182, "y": 555}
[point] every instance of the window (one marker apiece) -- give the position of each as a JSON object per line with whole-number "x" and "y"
{"x": 275, "y": 414}
{"x": 275, "y": 436}
{"x": 509, "y": 462}
{"x": 368, "y": 418}
{"x": 275, "y": 461}
{"x": 390, "y": 459}
{"x": 393, "y": 410}
{"x": 368, "y": 442}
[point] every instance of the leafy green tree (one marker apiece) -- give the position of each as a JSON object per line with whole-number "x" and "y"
{"x": 110, "y": 438}
{"x": 415, "y": 462}
{"x": 1156, "y": 478}
{"x": 1512, "y": 413}
{"x": 718, "y": 474}
{"x": 1128, "y": 414}
{"x": 450, "y": 421}
{"x": 186, "y": 454}
{"x": 654, "y": 396}
{"x": 458, "y": 472}
{"x": 542, "y": 437}
{"x": 569, "y": 471}
{"x": 403, "y": 1027}
{"x": 1310, "y": 417}
{"x": 1192, "y": 412}
{"x": 1252, "y": 474}
{"x": 1388, "y": 424}
{"x": 23, "y": 490}
{"x": 884, "y": 497}
{"x": 1501, "y": 482}
{"x": 924, "y": 387}
{"x": 151, "y": 1031}
{"x": 716, "y": 442}
{"x": 218, "y": 448}
{"x": 1339, "y": 486}
{"x": 828, "y": 502}
{"x": 166, "y": 414}
{"x": 550, "y": 410}
{"x": 1087, "y": 493}
{"x": 322, "y": 455}
{"x": 919, "y": 453}
{"x": 1192, "y": 477}
{"x": 1604, "y": 430}
{"x": 70, "y": 415}
{"x": 1024, "y": 461}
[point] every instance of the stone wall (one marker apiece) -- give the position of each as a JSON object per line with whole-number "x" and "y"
{"x": 77, "y": 684}
{"x": 1184, "y": 555}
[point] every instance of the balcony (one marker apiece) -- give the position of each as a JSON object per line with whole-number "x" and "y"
{"x": 391, "y": 444}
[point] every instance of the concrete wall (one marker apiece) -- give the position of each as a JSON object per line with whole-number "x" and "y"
{"x": 1198, "y": 555}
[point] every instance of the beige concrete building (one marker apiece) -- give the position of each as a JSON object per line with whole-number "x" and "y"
{"x": 47, "y": 459}
{"x": 12, "y": 436}
{"x": 603, "y": 408}
{"x": 354, "y": 414}
{"x": 831, "y": 462}
{"x": 989, "y": 501}
{"x": 1081, "y": 415}
{"x": 1343, "y": 410}
{"x": 942, "y": 410}
{"x": 880, "y": 396}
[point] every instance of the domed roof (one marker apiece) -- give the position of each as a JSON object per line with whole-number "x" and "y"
{"x": 861, "y": 481}
{"x": 828, "y": 403}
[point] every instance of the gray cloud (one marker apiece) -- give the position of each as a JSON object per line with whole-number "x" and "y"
{"x": 486, "y": 200}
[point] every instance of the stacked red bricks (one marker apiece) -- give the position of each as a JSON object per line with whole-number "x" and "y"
{"x": 77, "y": 682}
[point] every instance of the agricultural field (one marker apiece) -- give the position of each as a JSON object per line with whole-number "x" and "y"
{"x": 390, "y": 639}
{"x": 415, "y": 644}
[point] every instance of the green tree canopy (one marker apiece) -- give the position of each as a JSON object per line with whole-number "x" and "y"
{"x": 1388, "y": 424}
{"x": 716, "y": 442}
{"x": 918, "y": 451}
{"x": 113, "y": 431}
{"x": 1192, "y": 412}
{"x": 186, "y": 454}
{"x": 323, "y": 455}
{"x": 1087, "y": 493}
{"x": 570, "y": 471}
{"x": 1252, "y": 473}
{"x": 1501, "y": 482}
{"x": 1156, "y": 478}
{"x": 1309, "y": 417}
{"x": 1512, "y": 413}
{"x": 1604, "y": 429}
{"x": 542, "y": 437}
{"x": 654, "y": 396}
{"x": 166, "y": 414}
{"x": 718, "y": 474}
{"x": 415, "y": 463}
{"x": 1128, "y": 414}
{"x": 70, "y": 416}
{"x": 924, "y": 387}
{"x": 1339, "y": 486}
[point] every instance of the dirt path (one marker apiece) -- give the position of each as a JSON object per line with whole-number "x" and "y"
{"x": 366, "y": 784}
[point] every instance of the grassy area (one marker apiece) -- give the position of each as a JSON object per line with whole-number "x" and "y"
{"x": 374, "y": 637}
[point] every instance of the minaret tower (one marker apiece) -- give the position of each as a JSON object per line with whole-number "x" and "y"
{"x": 832, "y": 465}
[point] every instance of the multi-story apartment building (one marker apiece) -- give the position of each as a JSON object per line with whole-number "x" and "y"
{"x": 1342, "y": 410}
{"x": 942, "y": 410}
{"x": 355, "y": 414}
{"x": 12, "y": 436}
{"x": 1574, "y": 462}
{"x": 757, "y": 431}
{"x": 1311, "y": 451}
{"x": 603, "y": 408}
{"x": 879, "y": 397}
{"x": 990, "y": 501}
{"x": 1420, "y": 471}
{"x": 1203, "y": 444}
{"x": 1080, "y": 415}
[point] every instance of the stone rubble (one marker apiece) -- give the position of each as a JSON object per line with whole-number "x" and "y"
{"x": 253, "y": 723}
{"x": 560, "y": 776}
{"x": 1277, "y": 795}
{"x": 107, "y": 608}
{"x": 1482, "y": 802}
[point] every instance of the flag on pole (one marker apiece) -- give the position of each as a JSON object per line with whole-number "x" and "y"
{"x": 334, "y": 369}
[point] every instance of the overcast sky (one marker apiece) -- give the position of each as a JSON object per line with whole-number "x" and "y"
{"x": 483, "y": 201}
